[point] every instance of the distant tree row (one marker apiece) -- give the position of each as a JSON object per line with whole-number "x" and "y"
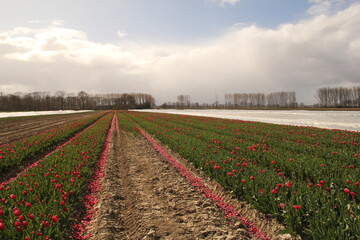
{"x": 260, "y": 100}
{"x": 338, "y": 97}
{"x": 192, "y": 105}
{"x": 183, "y": 101}
{"x": 44, "y": 101}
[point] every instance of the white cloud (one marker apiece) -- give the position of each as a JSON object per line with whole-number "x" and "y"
{"x": 322, "y": 51}
{"x": 121, "y": 34}
{"x": 59, "y": 44}
{"x": 327, "y": 7}
{"x": 224, "y": 2}
{"x": 58, "y": 22}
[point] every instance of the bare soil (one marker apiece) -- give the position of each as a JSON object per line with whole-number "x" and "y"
{"x": 144, "y": 197}
{"x": 18, "y": 128}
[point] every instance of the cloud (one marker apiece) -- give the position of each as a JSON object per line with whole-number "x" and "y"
{"x": 323, "y": 51}
{"x": 58, "y": 22}
{"x": 55, "y": 43}
{"x": 327, "y": 7}
{"x": 121, "y": 34}
{"x": 224, "y": 2}
{"x": 303, "y": 56}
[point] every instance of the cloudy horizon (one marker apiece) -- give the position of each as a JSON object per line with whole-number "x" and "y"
{"x": 203, "y": 48}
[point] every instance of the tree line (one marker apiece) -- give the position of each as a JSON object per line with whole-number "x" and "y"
{"x": 338, "y": 97}
{"x": 61, "y": 100}
{"x": 44, "y": 101}
{"x": 261, "y": 100}
{"x": 239, "y": 100}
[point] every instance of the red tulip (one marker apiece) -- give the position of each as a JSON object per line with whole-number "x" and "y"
{"x": 46, "y": 223}
{"x": 55, "y": 218}
{"x": 17, "y": 212}
{"x": 297, "y": 207}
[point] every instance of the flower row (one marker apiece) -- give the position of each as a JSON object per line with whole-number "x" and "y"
{"x": 14, "y": 153}
{"x": 44, "y": 202}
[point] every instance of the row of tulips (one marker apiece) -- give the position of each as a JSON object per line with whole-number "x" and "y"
{"x": 44, "y": 202}
{"x": 308, "y": 178}
{"x": 94, "y": 188}
{"x": 14, "y": 153}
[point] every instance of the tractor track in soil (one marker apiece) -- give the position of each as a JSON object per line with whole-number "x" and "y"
{"x": 144, "y": 197}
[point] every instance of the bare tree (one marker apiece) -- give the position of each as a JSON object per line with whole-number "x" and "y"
{"x": 60, "y": 95}
{"x": 181, "y": 101}
{"x": 83, "y": 97}
{"x": 338, "y": 97}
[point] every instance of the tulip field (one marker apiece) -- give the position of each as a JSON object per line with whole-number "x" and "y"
{"x": 42, "y": 201}
{"x": 15, "y": 153}
{"x": 306, "y": 178}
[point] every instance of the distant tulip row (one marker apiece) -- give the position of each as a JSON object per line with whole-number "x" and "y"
{"x": 308, "y": 178}
{"x": 14, "y": 153}
{"x": 44, "y": 202}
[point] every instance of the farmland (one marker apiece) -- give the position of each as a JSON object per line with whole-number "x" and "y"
{"x": 13, "y": 128}
{"x": 130, "y": 175}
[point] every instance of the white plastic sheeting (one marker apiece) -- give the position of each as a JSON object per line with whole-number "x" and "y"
{"x": 37, "y": 113}
{"x": 345, "y": 120}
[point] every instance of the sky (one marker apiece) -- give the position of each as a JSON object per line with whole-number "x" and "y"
{"x": 201, "y": 48}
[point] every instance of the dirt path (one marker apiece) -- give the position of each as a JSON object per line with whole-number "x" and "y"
{"x": 146, "y": 198}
